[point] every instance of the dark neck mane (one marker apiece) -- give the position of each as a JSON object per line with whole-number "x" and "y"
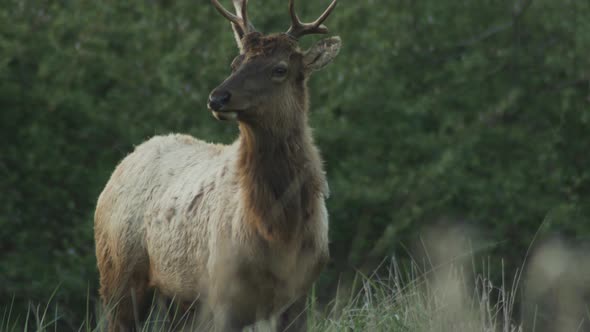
{"x": 280, "y": 177}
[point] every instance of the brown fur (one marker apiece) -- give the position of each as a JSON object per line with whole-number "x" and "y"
{"x": 282, "y": 179}
{"x": 255, "y": 44}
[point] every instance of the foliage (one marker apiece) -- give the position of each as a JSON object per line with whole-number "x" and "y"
{"x": 435, "y": 111}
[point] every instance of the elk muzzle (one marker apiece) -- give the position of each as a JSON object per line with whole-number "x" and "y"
{"x": 218, "y": 100}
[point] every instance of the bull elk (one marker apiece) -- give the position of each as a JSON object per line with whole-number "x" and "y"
{"x": 241, "y": 229}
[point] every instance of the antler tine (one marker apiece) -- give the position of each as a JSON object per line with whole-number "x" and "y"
{"x": 242, "y": 9}
{"x": 299, "y": 28}
{"x": 294, "y": 18}
{"x": 325, "y": 14}
{"x": 231, "y": 17}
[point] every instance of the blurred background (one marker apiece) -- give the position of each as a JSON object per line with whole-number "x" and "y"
{"x": 436, "y": 115}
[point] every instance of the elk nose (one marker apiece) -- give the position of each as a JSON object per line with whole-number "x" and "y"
{"x": 218, "y": 99}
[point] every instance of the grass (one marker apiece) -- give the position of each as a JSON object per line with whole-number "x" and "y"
{"x": 444, "y": 299}
{"x": 442, "y": 295}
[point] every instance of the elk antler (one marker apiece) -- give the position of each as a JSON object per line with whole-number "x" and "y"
{"x": 240, "y": 20}
{"x": 299, "y": 28}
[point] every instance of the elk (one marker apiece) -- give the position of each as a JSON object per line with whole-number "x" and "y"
{"x": 240, "y": 229}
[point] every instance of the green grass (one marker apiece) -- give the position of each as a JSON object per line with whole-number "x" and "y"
{"x": 448, "y": 292}
{"x": 445, "y": 298}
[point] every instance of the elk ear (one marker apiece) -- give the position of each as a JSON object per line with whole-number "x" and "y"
{"x": 321, "y": 54}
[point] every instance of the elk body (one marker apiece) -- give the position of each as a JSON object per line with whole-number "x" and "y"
{"x": 242, "y": 230}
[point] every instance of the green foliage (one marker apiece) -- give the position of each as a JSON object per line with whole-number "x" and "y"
{"x": 470, "y": 111}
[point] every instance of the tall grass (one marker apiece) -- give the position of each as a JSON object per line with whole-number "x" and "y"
{"x": 448, "y": 300}
{"x": 445, "y": 300}
{"x": 448, "y": 295}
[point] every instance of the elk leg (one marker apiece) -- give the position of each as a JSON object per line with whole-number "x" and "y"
{"x": 294, "y": 319}
{"x": 185, "y": 316}
{"x": 225, "y": 321}
{"x": 126, "y": 298}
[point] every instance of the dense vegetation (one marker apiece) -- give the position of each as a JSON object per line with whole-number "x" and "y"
{"x": 445, "y": 112}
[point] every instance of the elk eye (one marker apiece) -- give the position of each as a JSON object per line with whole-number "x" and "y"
{"x": 279, "y": 71}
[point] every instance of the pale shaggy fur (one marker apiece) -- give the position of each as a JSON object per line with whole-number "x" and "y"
{"x": 171, "y": 216}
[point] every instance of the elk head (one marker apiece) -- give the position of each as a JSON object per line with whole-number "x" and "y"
{"x": 267, "y": 85}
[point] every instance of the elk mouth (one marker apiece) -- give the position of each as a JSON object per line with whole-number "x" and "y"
{"x": 219, "y": 105}
{"x": 225, "y": 115}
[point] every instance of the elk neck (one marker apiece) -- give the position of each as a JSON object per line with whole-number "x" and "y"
{"x": 280, "y": 174}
